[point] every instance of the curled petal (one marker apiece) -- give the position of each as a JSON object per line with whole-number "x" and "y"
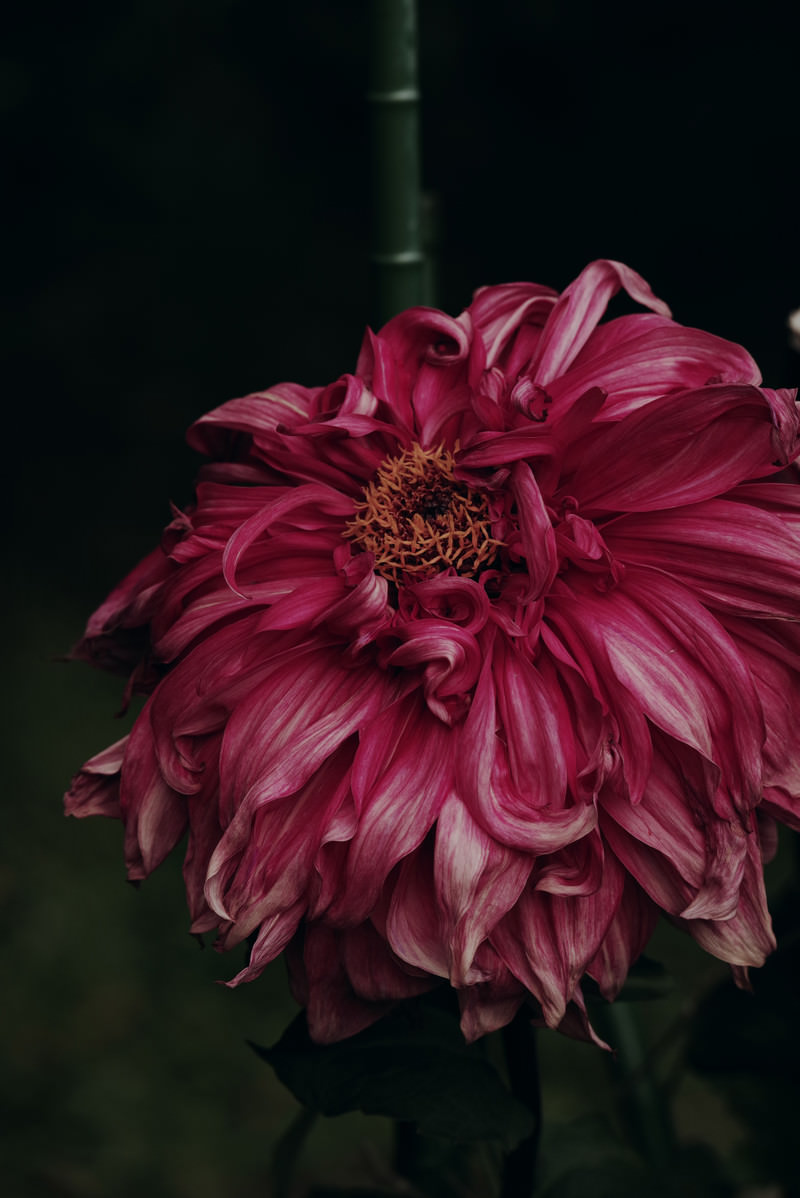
{"x": 579, "y": 308}
{"x": 449, "y": 658}
{"x": 515, "y": 783}
{"x": 311, "y": 506}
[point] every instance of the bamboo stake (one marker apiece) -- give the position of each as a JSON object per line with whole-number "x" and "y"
{"x": 397, "y": 259}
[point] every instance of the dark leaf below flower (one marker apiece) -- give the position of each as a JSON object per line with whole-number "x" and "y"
{"x": 413, "y": 1065}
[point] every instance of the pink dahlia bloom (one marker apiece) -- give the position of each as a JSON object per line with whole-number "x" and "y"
{"x": 469, "y": 664}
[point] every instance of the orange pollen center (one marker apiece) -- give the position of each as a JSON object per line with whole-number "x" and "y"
{"x": 418, "y": 520}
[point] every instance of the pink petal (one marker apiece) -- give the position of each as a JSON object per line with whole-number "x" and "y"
{"x": 401, "y": 775}
{"x": 509, "y": 319}
{"x": 747, "y": 938}
{"x": 273, "y": 937}
{"x": 374, "y": 971}
{"x": 415, "y": 926}
{"x": 679, "y": 450}
{"x": 249, "y": 881}
{"x": 625, "y": 940}
{"x": 733, "y": 554}
{"x": 637, "y": 359}
{"x": 258, "y": 414}
{"x": 579, "y": 308}
{"x": 154, "y": 815}
{"x": 95, "y": 788}
{"x": 656, "y": 642}
{"x": 510, "y": 768}
{"x": 297, "y": 716}
{"x": 477, "y": 882}
{"x": 449, "y": 658}
{"x": 538, "y": 539}
{"x": 333, "y": 1010}
{"x": 547, "y": 941}
{"x": 686, "y": 858}
{"x": 313, "y": 506}
{"x": 489, "y": 1005}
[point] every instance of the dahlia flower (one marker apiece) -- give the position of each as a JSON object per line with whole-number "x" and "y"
{"x": 465, "y": 667}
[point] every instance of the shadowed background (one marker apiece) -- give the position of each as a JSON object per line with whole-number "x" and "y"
{"x": 186, "y": 221}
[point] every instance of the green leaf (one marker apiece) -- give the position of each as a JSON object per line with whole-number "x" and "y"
{"x": 413, "y": 1065}
{"x": 586, "y": 1157}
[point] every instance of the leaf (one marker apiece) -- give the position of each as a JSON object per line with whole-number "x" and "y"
{"x": 413, "y": 1065}
{"x": 585, "y": 1157}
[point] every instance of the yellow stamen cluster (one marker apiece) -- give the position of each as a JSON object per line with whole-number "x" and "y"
{"x": 417, "y": 519}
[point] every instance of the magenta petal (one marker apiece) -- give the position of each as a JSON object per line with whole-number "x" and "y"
{"x": 747, "y": 938}
{"x": 154, "y": 815}
{"x": 415, "y": 927}
{"x": 250, "y": 879}
{"x": 515, "y": 785}
{"x": 95, "y": 789}
{"x": 374, "y": 972}
{"x": 579, "y": 308}
{"x": 311, "y": 506}
{"x": 678, "y": 450}
{"x": 255, "y": 415}
{"x": 333, "y": 1010}
{"x": 734, "y": 555}
{"x": 403, "y": 764}
{"x": 510, "y": 319}
{"x": 637, "y": 359}
{"x": 538, "y": 538}
{"x": 688, "y": 861}
{"x": 292, "y": 721}
{"x": 273, "y": 936}
{"x": 547, "y": 941}
{"x": 477, "y": 882}
{"x": 625, "y": 940}
{"x": 681, "y": 668}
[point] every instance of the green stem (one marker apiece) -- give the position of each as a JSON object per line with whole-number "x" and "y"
{"x": 519, "y": 1042}
{"x": 397, "y": 258}
{"x": 642, "y": 1107}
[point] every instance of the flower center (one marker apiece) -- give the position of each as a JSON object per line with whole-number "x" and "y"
{"x": 417, "y": 519}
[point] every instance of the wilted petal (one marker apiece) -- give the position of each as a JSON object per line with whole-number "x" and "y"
{"x": 746, "y": 938}
{"x": 153, "y": 813}
{"x": 547, "y": 941}
{"x": 477, "y": 882}
{"x": 491, "y": 1003}
{"x": 333, "y": 1010}
{"x": 95, "y": 788}
{"x": 625, "y": 939}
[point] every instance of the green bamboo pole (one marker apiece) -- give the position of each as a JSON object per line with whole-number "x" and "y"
{"x": 397, "y": 259}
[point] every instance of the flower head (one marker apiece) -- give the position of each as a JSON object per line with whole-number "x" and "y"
{"x": 469, "y": 664}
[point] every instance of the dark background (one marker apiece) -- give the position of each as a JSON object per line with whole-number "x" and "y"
{"x": 186, "y": 220}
